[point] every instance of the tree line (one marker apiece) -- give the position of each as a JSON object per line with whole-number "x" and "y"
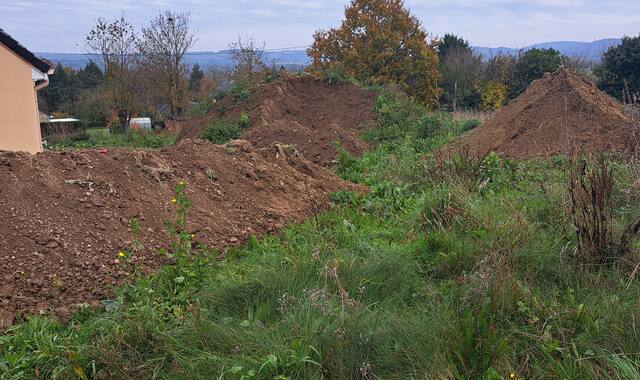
{"x": 379, "y": 43}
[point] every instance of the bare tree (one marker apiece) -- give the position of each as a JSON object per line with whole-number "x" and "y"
{"x": 461, "y": 71}
{"x": 115, "y": 42}
{"x": 248, "y": 61}
{"x": 163, "y": 46}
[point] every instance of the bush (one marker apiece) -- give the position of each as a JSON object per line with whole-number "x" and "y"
{"x": 470, "y": 124}
{"x": 333, "y": 75}
{"x": 221, "y": 131}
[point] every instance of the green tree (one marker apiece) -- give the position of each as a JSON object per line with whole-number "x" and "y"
{"x": 90, "y": 77}
{"x": 380, "y": 42}
{"x": 451, "y": 43}
{"x": 461, "y": 70}
{"x": 532, "y": 65}
{"x": 195, "y": 79}
{"x": 619, "y": 72}
{"x": 59, "y": 95}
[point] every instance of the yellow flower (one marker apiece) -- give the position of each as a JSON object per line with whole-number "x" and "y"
{"x": 174, "y": 201}
{"x": 121, "y": 254}
{"x": 181, "y": 183}
{"x": 193, "y": 236}
{"x": 512, "y": 376}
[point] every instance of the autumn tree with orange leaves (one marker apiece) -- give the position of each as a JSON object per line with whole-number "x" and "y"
{"x": 380, "y": 42}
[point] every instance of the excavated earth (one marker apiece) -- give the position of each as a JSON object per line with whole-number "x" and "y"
{"x": 562, "y": 113}
{"x": 64, "y": 216}
{"x": 301, "y": 111}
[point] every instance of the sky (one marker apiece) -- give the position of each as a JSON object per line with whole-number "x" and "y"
{"x": 60, "y": 26}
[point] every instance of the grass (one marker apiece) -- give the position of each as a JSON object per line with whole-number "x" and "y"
{"x": 444, "y": 270}
{"x": 103, "y": 138}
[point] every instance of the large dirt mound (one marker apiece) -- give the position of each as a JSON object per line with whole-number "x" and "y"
{"x": 65, "y": 215}
{"x": 559, "y": 114}
{"x": 301, "y": 111}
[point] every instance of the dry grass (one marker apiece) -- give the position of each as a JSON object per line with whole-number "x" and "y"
{"x": 482, "y": 116}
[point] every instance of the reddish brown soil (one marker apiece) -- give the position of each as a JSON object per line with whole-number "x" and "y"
{"x": 65, "y": 215}
{"x": 301, "y": 111}
{"x": 560, "y": 114}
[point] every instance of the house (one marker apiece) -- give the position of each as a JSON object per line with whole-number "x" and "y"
{"x": 22, "y": 74}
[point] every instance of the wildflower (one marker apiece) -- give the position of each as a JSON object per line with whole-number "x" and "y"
{"x": 512, "y": 376}
{"x": 193, "y": 236}
{"x": 174, "y": 201}
{"x": 181, "y": 183}
{"x": 122, "y": 254}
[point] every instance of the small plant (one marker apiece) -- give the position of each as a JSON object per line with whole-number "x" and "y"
{"x": 244, "y": 120}
{"x": 241, "y": 96}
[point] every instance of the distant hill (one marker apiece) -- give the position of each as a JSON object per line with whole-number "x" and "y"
{"x": 591, "y": 51}
{"x": 297, "y": 58}
{"x": 220, "y": 59}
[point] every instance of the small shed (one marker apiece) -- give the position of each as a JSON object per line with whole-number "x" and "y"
{"x": 141, "y": 123}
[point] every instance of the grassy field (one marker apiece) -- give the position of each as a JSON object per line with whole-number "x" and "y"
{"x": 103, "y": 138}
{"x": 444, "y": 270}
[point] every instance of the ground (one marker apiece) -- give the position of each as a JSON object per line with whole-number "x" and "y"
{"x": 445, "y": 269}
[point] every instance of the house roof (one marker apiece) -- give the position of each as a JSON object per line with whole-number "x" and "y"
{"x": 23, "y": 52}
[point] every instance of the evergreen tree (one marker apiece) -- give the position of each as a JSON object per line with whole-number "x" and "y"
{"x": 59, "y": 94}
{"x": 452, "y": 43}
{"x": 90, "y": 77}
{"x": 195, "y": 79}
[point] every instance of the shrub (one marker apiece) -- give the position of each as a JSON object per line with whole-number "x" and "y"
{"x": 494, "y": 96}
{"x": 469, "y": 125}
{"x": 590, "y": 191}
{"x": 333, "y": 75}
{"x": 221, "y": 131}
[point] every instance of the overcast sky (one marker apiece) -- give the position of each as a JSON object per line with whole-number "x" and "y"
{"x": 59, "y": 26}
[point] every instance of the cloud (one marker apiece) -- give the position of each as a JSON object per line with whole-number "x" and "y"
{"x": 287, "y": 23}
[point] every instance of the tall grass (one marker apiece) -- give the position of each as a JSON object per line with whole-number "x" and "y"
{"x": 103, "y": 138}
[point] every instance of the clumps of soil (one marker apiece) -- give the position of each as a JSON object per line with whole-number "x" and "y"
{"x": 64, "y": 216}
{"x": 300, "y": 111}
{"x": 560, "y": 114}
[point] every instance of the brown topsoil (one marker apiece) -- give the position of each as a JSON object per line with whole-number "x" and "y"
{"x": 300, "y": 111}
{"x": 562, "y": 113}
{"x": 65, "y": 215}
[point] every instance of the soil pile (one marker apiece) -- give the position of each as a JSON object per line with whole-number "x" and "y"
{"x": 65, "y": 215}
{"x": 300, "y": 111}
{"x": 559, "y": 114}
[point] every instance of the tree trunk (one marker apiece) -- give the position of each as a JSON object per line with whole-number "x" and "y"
{"x": 123, "y": 122}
